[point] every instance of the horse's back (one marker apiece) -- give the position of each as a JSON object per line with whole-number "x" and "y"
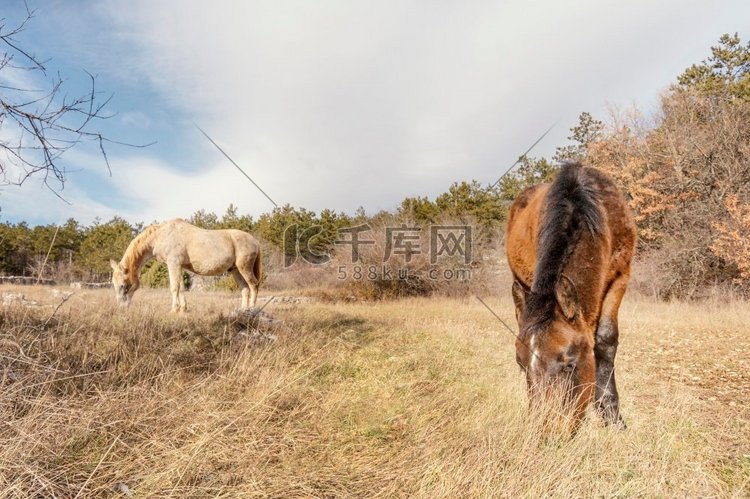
{"x": 181, "y": 234}
{"x": 521, "y": 232}
{"x": 616, "y": 240}
{"x": 205, "y": 251}
{"x": 192, "y": 233}
{"x": 620, "y": 222}
{"x": 620, "y": 225}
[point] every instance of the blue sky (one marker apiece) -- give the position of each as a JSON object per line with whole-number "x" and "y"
{"x": 337, "y": 104}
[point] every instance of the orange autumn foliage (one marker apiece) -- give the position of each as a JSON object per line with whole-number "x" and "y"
{"x": 733, "y": 241}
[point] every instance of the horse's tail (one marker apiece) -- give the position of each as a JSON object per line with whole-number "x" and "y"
{"x": 258, "y": 266}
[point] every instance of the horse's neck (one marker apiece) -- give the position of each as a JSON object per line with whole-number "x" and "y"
{"x": 140, "y": 251}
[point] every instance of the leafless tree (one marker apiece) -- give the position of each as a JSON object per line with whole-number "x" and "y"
{"x": 37, "y": 126}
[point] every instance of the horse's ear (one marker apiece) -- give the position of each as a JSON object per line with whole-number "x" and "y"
{"x": 519, "y": 294}
{"x": 567, "y": 296}
{"x": 519, "y": 298}
{"x": 114, "y": 265}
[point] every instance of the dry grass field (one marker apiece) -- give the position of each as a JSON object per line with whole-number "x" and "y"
{"x": 415, "y": 397}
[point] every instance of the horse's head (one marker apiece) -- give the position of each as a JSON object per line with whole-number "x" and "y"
{"x": 124, "y": 283}
{"x": 556, "y": 352}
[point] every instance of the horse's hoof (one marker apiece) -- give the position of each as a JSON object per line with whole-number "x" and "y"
{"x": 618, "y": 423}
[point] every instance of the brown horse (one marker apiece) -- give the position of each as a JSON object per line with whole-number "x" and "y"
{"x": 569, "y": 246}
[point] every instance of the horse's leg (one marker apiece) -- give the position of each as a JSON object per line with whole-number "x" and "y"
{"x": 252, "y": 283}
{"x": 253, "y": 293}
{"x": 175, "y": 285}
{"x": 244, "y": 286}
{"x": 607, "y": 400}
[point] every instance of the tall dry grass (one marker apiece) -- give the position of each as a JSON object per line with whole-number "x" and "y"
{"x": 415, "y": 397}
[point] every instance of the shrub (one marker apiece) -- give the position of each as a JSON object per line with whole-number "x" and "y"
{"x": 394, "y": 268}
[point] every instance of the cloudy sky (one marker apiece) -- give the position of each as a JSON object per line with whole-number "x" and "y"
{"x": 340, "y": 104}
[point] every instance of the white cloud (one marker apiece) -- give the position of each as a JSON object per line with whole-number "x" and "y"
{"x": 160, "y": 192}
{"x": 154, "y": 191}
{"x": 135, "y": 119}
{"x": 340, "y": 104}
{"x": 36, "y": 204}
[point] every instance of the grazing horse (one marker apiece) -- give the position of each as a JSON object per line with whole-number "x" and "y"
{"x": 569, "y": 246}
{"x": 181, "y": 245}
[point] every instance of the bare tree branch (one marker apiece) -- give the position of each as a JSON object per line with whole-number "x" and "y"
{"x": 41, "y": 125}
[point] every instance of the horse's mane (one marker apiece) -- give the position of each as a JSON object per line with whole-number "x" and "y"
{"x": 571, "y": 207}
{"x": 138, "y": 247}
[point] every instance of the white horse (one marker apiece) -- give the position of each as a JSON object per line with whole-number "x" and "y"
{"x": 181, "y": 245}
